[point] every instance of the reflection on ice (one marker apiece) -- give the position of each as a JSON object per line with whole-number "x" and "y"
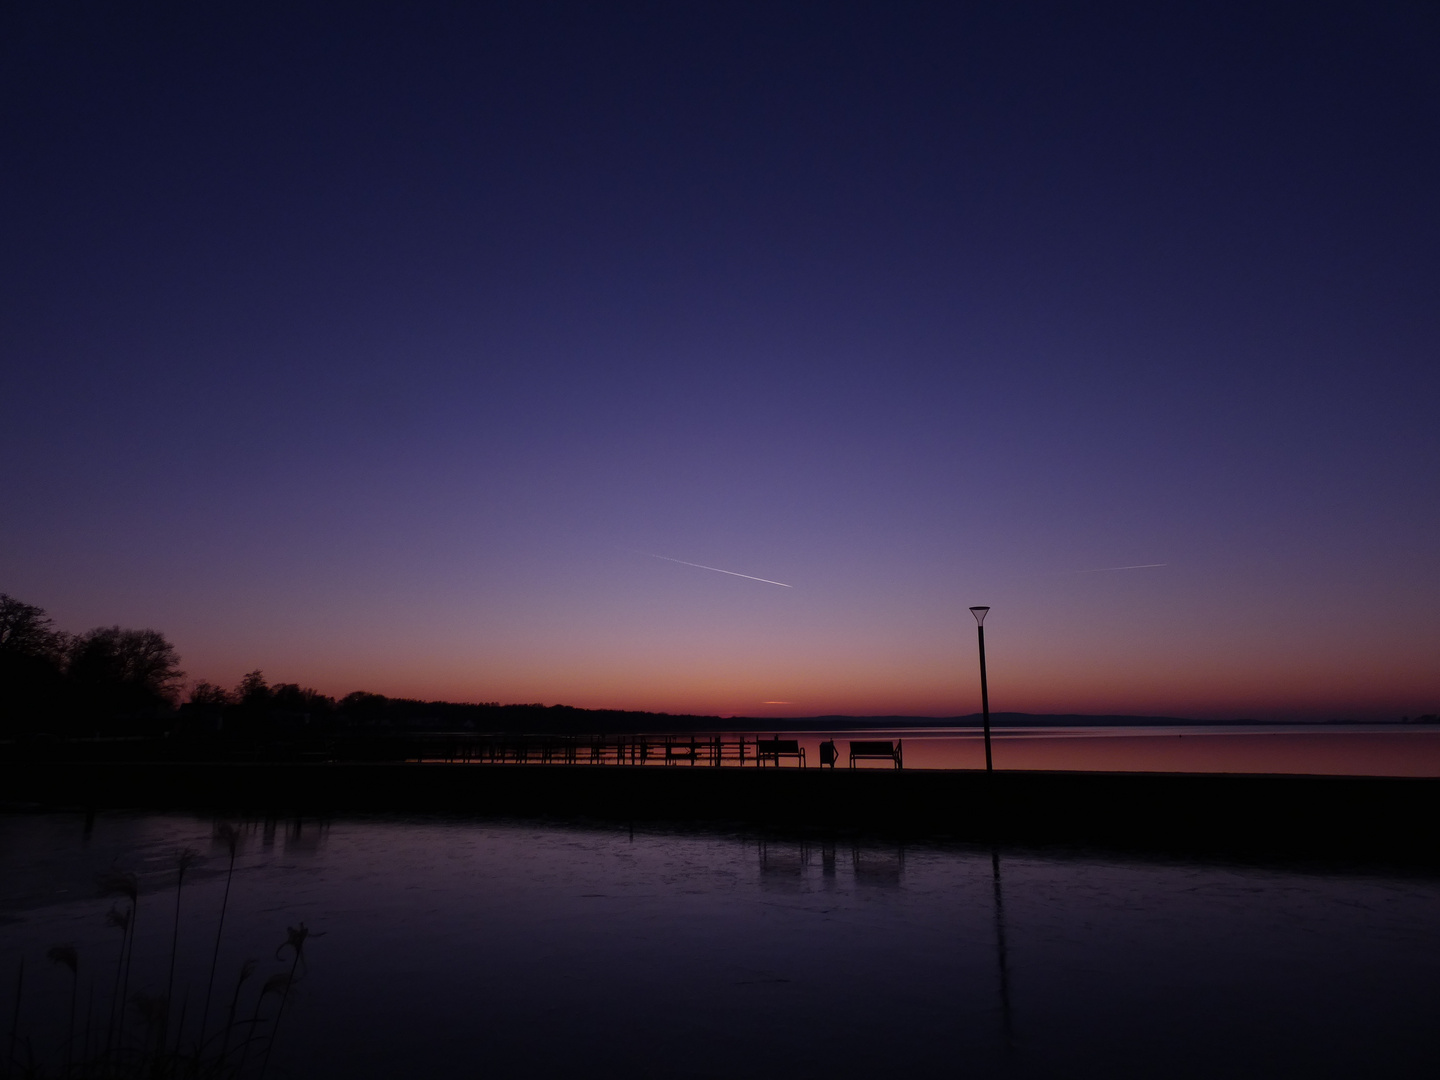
{"x": 1002, "y": 962}
{"x": 794, "y": 862}
{"x": 455, "y": 947}
{"x": 878, "y": 866}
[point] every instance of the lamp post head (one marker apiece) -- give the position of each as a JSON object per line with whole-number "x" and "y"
{"x": 979, "y": 613}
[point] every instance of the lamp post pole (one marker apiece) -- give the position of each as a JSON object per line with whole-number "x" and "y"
{"x": 980, "y": 613}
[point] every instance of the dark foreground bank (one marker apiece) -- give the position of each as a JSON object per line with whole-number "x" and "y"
{"x": 1380, "y": 820}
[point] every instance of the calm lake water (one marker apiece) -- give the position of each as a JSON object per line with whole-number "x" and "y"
{"x": 1340, "y": 749}
{"x": 457, "y": 947}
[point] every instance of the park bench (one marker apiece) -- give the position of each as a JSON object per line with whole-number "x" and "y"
{"x": 772, "y": 750}
{"x": 877, "y": 750}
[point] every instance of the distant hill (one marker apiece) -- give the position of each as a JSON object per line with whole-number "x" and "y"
{"x": 564, "y": 718}
{"x": 364, "y": 712}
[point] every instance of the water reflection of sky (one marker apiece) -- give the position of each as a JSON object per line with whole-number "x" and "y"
{"x": 1357, "y": 750}
{"x": 458, "y": 948}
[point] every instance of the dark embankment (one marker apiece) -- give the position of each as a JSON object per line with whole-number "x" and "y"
{"x": 1355, "y": 820}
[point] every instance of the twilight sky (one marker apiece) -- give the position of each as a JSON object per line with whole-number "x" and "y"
{"x": 381, "y": 346}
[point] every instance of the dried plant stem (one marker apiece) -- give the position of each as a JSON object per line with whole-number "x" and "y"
{"x": 115, "y": 996}
{"x": 250, "y": 1035}
{"x": 279, "y": 1012}
{"x": 182, "y": 863}
{"x": 15, "y": 1020}
{"x": 70, "y": 1040}
{"x": 89, "y": 1018}
{"x": 234, "y": 1004}
{"x": 125, "y": 981}
{"x": 219, "y": 930}
{"x": 180, "y": 1024}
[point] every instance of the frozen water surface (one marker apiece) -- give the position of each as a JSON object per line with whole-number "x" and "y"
{"x": 457, "y": 947}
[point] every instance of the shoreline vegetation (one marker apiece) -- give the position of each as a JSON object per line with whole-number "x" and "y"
{"x": 111, "y": 682}
{"x": 123, "y": 1021}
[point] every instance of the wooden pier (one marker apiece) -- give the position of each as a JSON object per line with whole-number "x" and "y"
{"x": 711, "y": 750}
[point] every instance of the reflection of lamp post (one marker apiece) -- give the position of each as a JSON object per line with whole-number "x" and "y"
{"x": 980, "y": 613}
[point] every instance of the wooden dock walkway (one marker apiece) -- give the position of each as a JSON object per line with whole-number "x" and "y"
{"x": 711, "y": 750}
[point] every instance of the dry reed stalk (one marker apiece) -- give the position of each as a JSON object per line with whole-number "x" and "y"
{"x": 228, "y": 835}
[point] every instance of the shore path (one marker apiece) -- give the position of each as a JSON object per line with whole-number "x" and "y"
{"x": 1383, "y": 820}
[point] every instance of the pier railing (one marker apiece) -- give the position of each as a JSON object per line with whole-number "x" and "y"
{"x": 704, "y": 749}
{"x": 711, "y": 750}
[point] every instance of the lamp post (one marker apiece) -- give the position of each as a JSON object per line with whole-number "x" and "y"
{"x": 980, "y": 613}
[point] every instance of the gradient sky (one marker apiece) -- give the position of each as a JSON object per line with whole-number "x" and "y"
{"x": 380, "y": 346}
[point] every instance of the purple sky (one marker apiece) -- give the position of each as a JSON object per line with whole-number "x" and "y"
{"x": 379, "y": 346}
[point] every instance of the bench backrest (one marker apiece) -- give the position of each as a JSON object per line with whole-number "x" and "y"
{"x": 872, "y": 749}
{"x": 772, "y": 747}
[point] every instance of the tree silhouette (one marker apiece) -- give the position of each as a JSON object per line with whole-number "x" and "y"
{"x": 118, "y": 671}
{"x": 206, "y": 695}
{"x": 25, "y": 630}
{"x": 32, "y": 657}
{"x": 253, "y": 691}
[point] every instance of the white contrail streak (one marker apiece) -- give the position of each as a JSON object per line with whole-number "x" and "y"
{"x": 732, "y": 573}
{"x": 1107, "y": 569}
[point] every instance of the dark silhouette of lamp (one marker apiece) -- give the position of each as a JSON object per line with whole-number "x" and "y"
{"x": 980, "y": 613}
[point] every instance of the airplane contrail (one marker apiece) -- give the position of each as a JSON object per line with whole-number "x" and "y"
{"x": 1106, "y": 569}
{"x": 702, "y": 566}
